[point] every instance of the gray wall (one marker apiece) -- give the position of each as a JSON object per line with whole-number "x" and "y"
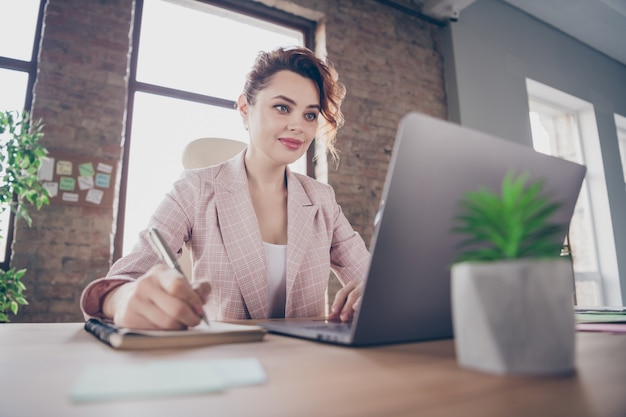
{"x": 488, "y": 55}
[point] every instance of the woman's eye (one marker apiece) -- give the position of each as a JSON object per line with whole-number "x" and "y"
{"x": 282, "y": 108}
{"x": 310, "y": 116}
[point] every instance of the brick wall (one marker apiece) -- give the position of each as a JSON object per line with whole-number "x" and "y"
{"x": 391, "y": 63}
{"x": 80, "y": 93}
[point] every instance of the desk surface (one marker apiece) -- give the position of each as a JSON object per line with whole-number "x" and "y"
{"x": 39, "y": 363}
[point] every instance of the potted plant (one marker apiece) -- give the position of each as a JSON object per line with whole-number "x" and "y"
{"x": 21, "y": 156}
{"x": 512, "y": 291}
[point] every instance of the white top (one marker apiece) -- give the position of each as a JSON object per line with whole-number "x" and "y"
{"x": 276, "y": 278}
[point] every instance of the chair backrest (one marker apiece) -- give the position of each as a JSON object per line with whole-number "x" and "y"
{"x": 204, "y": 152}
{"x": 201, "y": 153}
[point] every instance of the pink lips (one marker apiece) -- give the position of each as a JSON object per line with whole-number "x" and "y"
{"x": 290, "y": 143}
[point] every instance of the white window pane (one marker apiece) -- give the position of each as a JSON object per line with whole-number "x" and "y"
{"x": 582, "y": 238}
{"x": 541, "y": 137}
{"x": 162, "y": 127}
{"x": 622, "y": 151}
{"x": 13, "y": 87}
{"x": 620, "y": 122}
{"x": 588, "y": 293}
{"x": 18, "y": 21}
{"x": 194, "y": 49}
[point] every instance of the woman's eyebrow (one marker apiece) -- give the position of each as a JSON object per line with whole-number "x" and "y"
{"x": 290, "y": 101}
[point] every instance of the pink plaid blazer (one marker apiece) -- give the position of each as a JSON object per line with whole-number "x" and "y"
{"x": 210, "y": 210}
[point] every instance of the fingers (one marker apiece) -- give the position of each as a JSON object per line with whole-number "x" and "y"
{"x": 346, "y": 302}
{"x": 176, "y": 285}
{"x": 160, "y": 299}
{"x": 203, "y": 289}
{"x": 177, "y": 299}
{"x": 147, "y": 313}
{"x": 340, "y": 300}
{"x": 131, "y": 309}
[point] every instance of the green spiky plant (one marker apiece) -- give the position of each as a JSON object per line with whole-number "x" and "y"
{"x": 21, "y": 156}
{"x": 511, "y": 225}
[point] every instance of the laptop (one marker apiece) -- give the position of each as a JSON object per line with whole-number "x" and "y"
{"x": 406, "y": 296}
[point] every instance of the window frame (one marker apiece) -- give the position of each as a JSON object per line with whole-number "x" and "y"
{"x": 29, "y": 67}
{"x": 247, "y": 8}
{"x": 556, "y": 110}
{"x": 594, "y": 185}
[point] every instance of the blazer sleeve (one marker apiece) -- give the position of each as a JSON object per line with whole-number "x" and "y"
{"x": 173, "y": 218}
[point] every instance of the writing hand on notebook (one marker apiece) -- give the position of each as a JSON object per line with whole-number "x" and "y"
{"x": 160, "y": 299}
{"x": 346, "y": 302}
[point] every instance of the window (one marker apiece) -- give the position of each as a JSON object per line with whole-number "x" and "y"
{"x": 620, "y": 122}
{"x": 565, "y": 126}
{"x": 191, "y": 62}
{"x": 19, "y": 35}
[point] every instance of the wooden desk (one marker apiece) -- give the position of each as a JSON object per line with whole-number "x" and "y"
{"x": 39, "y": 363}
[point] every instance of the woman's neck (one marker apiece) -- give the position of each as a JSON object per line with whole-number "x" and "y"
{"x": 268, "y": 191}
{"x": 265, "y": 177}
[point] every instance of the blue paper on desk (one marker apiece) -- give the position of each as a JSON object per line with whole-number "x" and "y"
{"x": 165, "y": 378}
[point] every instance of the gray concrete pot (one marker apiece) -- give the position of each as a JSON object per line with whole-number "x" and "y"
{"x": 514, "y": 317}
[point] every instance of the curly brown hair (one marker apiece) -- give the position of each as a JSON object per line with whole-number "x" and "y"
{"x": 303, "y": 62}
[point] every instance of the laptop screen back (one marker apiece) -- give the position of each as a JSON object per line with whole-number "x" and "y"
{"x": 433, "y": 164}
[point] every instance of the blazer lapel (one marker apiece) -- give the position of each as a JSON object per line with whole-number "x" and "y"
{"x": 300, "y": 212}
{"x": 241, "y": 235}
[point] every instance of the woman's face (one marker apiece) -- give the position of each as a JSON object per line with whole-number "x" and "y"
{"x": 283, "y": 121}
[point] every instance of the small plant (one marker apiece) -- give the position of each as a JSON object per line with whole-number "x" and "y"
{"x": 20, "y": 158}
{"x": 512, "y": 225}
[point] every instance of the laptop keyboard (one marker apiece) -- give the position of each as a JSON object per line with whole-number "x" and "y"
{"x": 331, "y": 326}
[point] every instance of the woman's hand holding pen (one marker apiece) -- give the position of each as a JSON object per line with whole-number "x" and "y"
{"x": 160, "y": 299}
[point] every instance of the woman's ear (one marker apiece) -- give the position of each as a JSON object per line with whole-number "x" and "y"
{"x": 242, "y": 105}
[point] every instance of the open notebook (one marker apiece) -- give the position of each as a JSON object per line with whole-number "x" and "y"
{"x": 407, "y": 288}
{"x": 201, "y": 335}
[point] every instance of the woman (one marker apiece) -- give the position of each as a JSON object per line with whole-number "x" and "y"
{"x": 263, "y": 238}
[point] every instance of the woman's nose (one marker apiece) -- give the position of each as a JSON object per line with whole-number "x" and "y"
{"x": 295, "y": 125}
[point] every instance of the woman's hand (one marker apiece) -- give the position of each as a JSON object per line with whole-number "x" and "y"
{"x": 346, "y": 302}
{"x": 160, "y": 299}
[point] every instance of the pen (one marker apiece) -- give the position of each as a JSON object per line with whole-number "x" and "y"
{"x": 166, "y": 254}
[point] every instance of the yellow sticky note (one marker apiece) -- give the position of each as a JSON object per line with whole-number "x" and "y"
{"x": 64, "y": 168}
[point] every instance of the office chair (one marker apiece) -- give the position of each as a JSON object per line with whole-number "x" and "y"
{"x": 204, "y": 152}
{"x": 201, "y": 153}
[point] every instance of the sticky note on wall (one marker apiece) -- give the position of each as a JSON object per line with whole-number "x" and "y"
{"x": 67, "y": 183}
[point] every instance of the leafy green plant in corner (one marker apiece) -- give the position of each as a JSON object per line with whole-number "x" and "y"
{"x": 21, "y": 156}
{"x": 11, "y": 292}
{"x": 511, "y": 225}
